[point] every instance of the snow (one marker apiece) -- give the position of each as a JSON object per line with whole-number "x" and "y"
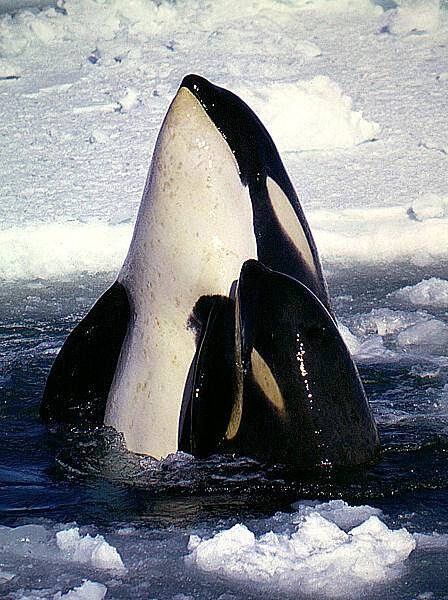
{"x": 321, "y": 116}
{"x": 318, "y": 556}
{"x": 54, "y": 250}
{"x": 413, "y": 17}
{"x": 85, "y": 86}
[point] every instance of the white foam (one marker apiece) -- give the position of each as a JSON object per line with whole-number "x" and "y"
{"x": 309, "y": 115}
{"x": 86, "y": 549}
{"x": 428, "y": 292}
{"x": 318, "y": 556}
{"x": 88, "y": 590}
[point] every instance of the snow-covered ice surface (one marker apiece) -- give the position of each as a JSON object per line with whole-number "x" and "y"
{"x": 354, "y": 94}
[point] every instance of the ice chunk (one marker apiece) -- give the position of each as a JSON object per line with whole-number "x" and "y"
{"x": 129, "y": 99}
{"x": 308, "y": 49}
{"x": 428, "y": 292}
{"x": 98, "y": 136}
{"x": 317, "y": 557}
{"x": 6, "y": 576}
{"x": 339, "y": 512}
{"x": 385, "y": 321}
{"x": 429, "y": 206}
{"x": 86, "y": 549}
{"x": 9, "y": 69}
{"x": 351, "y": 341}
{"x": 88, "y": 590}
{"x": 431, "y": 335}
{"x": 296, "y": 111}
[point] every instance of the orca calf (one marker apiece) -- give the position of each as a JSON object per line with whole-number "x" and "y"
{"x": 217, "y": 335}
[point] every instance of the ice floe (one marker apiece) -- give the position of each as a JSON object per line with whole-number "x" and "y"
{"x": 316, "y": 556}
{"x": 431, "y": 292}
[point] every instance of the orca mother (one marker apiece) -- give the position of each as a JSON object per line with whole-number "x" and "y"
{"x": 218, "y": 333}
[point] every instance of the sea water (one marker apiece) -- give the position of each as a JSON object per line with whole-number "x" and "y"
{"x": 81, "y": 514}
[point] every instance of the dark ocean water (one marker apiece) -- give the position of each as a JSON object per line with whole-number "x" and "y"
{"x": 86, "y": 478}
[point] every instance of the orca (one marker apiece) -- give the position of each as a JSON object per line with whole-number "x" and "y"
{"x": 172, "y": 355}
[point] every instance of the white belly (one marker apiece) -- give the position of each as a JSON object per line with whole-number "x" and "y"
{"x": 193, "y": 232}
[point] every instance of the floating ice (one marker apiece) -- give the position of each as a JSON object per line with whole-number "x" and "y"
{"x": 433, "y": 541}
{"x": 86, "y": 549}
{"x": 351, "y": 341}
{"x": 88, "y": 590}
{"x": 428, "y": 292}
{"x": 317, "y": 557}
{"x": 35, "y": 541}
{"x": 385, "y": 321}
{"x": 430, "y": 336}
{"x": 310, "y": 115}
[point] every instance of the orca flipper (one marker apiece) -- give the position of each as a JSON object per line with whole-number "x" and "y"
{"x": 80, "y": 378}
{"x": 208, "y": 395}
{"x": 302, "y": 401}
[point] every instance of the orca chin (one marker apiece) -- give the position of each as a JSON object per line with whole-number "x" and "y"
{"x": 218, "y": 334}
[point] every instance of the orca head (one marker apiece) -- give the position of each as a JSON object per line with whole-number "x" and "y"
{"x": 299, "y": 399}
{"x": 284, "y": 239}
